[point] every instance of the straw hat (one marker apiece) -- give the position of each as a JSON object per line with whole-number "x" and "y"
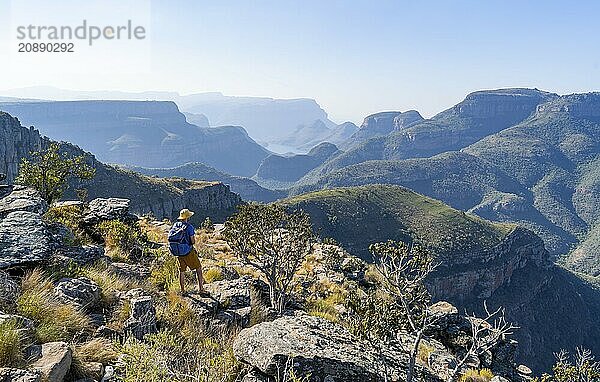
{"x": 185, "y": 214}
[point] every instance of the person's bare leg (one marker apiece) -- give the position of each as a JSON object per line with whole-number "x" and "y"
{"x": 200, "y": 279}
{"x": 182, "y": 281}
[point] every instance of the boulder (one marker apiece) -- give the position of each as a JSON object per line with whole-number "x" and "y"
{"x": 24, "y": 322}
{"x": 19, "y": 375}
{"x": 21, "y": 198}
{"x": 24, "y": 239}
{"x": 231, "y": 294}
{"x": 136, "y": 271}
{"x": 81, "y": 255}
{"x": 99, "y": 210}
{"x": 316, "y": 347}
{"x": 81, "y": 292}
{"x": 142, "y": 319}
{"x": 203, "y": 307}
{"x": 55, "y": 361}
{"x": 256, "y": 376}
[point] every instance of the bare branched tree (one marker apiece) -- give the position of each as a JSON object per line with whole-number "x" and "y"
{"x": 273, "y": 242}
{"x": 404, "y": 269}
{"x": 486, "y": 333}
{"x": 582, "y": 367}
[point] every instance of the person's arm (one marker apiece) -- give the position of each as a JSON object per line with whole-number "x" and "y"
{"x": 191, "y": 233}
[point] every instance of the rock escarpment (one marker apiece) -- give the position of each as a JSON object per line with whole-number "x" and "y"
{"x": 16, "y": 142}
{"x": 141, "y": 133}
{"x": 163, "y": 198}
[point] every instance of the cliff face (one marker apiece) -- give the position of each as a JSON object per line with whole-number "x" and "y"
{"x": 516, "y": 104}
{"x": 213, "y": 200}
{"x": 164, "y": 198}
{"x": 477, "y": 275}
{"x": 16, "y": 142}
{"x": 141, "y": 133}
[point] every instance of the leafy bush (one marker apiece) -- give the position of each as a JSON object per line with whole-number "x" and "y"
{"x": 54, "y": 320}
{"x": 49, "y": 170}
{"x": 127, "y": 239}
{"x": 69, "y": 216}
{"x": 11, "y": 344}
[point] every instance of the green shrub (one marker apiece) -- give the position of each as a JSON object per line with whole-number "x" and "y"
{"x": 128, "y": 240}
{"x": 11, "y": 344}
{"x": 69, "y": 216}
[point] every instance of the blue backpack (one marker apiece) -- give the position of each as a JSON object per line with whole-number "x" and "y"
{"x": 179, "y": 240}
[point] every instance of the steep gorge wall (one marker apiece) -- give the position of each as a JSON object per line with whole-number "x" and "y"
{"x": 16, "y": 142}
{"x": 164, "y": 198}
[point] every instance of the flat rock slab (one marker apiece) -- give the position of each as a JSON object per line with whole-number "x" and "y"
{"x": 24, "y": 238}
{"x": 99, "y": 210}
{"x": 231, "y": 294}
{"x": 55, "y": 361}
{"x": 20, "y": 198}
{"x": 316, "y": 347}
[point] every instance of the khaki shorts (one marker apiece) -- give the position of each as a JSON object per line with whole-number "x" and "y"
{"x": 190, "y": 260}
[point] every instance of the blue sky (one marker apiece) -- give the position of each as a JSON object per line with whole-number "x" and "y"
{"x": 353, "y": 57}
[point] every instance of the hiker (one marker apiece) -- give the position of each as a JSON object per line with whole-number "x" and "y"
{"x": 181, "y": 244}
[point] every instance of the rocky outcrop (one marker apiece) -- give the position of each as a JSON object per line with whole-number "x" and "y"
{"x": 19, "y": 375}
{"x": 477, "y": 275}
{"x": 313, "y": 346}
{"x": 246, "y": 188}
{"x": 213, "y": 199}
{"x": 16, "y": 142}
{"x": 81, "y": 292}
{"x": 142, "y": 318}
{"x": 576, "y": 105}
{"x": 381, "y": 124}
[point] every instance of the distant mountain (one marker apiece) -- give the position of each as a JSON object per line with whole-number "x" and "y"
{"x": 480, "y": 114}
{"x": 556, "y": 154}
{"x": 248, "y": 189}
{"x": 382, "y": 124}
{"x": 306, "y": 137}
{"x": 279, "y": 171}
{"x": 163, "y": 198}
{"x": 267, "y": 120}
{"x": 541, "y": 171}
{"x": 480, "y": 261}
{"x": 141, "y": 133}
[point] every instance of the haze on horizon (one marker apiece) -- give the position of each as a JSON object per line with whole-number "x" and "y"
{"x": 354, "y": 58}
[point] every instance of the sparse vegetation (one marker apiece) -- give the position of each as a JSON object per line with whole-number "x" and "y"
{"x": 11, "y": 344}
{"x": 54, "y": 320}
{"x": 581, "y": 367}
{"x": 474, "y": 375}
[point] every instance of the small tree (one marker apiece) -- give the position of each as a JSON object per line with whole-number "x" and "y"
{"x": 49, "y": 170}
{"x": 273, "y": 242}
{"x": 403, "y": 269}
{"x": 485, "y": 334}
